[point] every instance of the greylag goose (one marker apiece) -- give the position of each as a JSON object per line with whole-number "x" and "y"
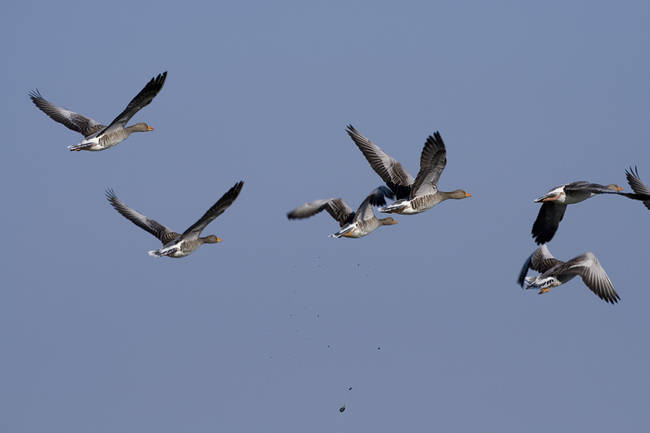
{"x": 554, "y": 272}
{"x": 353, "y": 224}
{"x": 556, "y": 200}
{"x": 413, "y": 195}
{"x": 98, "y": 136}
{"x": 175, "y": 244}
{"x": 637, "y": 186}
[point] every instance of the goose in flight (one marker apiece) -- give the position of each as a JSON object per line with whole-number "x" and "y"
{"x": 556, "y": 200}
{"x": 554, "y": 272}
{"x": 98, "y": 136}
{"x": 413, "y": 195}
{"x": 353, "y": 224}
{"x": 175, "y": 244}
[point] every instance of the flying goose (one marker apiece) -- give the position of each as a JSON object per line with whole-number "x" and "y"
{"x": 175, "y": 244}
{"x": 98, "y": 136}
{"x": 413, "y": 195}
{"x": 353, "y": 224}
{"x": 554, "y": 272}
{"x": 556, "y": 200}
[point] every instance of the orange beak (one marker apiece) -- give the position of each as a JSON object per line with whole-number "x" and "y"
{"x": 219, "y": 239}
{"x": 149, "y": 128}
{"x": 468, "y": 194}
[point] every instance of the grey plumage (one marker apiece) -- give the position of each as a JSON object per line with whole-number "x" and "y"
{"x": 554, "y": 272}
{"x": 353, "y": 224}
{"x": 388, "y": 168}
{"x": 432, "y": 161}
{"x": 175, "y": 244}
{"x": 164, "y": 234}
{"x": 74, "y": 121}
{"x": 414, "y": 195}
{"x": 96, "y": 135}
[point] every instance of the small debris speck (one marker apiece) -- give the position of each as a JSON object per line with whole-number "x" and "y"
{"x": 350, "y": 389}
{"x": 342, "y": 409}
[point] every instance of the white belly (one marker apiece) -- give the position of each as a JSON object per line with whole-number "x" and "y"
{"x": 355, "y": 233}
{"x": 408, "y": 210}
{"x": 166, "y": 251}
{"x": 94, "y": 144}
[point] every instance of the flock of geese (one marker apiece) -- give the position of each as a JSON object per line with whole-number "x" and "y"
{"x": 411, "y": 195}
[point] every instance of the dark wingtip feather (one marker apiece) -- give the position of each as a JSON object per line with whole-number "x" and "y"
{"x": 234, "y": 191}
{"x": 379, "y": 194}
{"x": 34, "y": 94}
{"x": 437, "y": 138}
{"x": 610, "y": 299}
{"x": 160, "y": 79}
{"x": 110, "y": 194}
{"x": 352, "y": 131}
{"x": 540, "y": 234}
{"x": 113, "y": 200}
{"x": 540, "y": 239}
{"x": 238, "y": 186}
{"x": 524, "y": 271}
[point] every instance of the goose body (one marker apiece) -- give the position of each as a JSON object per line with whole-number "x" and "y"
{"x": 361, "y": 228}
{"x": 414, "y": 195}
{"x": 177, "y": 245}
{"x": 353, "y": 224}
{"x": 97, "y": 136}
{"x": 554, "y": 272}
{"x": 421, "y": 203}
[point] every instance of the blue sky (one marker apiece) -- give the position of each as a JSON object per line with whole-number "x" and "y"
{"x": 267, "y": 330}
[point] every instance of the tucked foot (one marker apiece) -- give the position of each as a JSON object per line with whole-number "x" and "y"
{"x": 544, "y": 290}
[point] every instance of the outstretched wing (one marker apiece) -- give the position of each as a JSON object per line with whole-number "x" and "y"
{"x": 75, "y": 121}
{"x": 432, "y": 161}
{"x": 541, "y": 260}
{"x": 336, "y": 207}
{"x": 217, "y": 209}
{"x": 637, "y": 185}
{"x": 594, "y": 276}
{"x": 547, "y": 222}
{"x": 387, "y": 167}
{"x": 140, "y": 101}
{"x": 154, "y": 227}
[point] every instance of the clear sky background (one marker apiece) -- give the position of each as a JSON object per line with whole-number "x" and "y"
{"x": 268, "y": 330}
